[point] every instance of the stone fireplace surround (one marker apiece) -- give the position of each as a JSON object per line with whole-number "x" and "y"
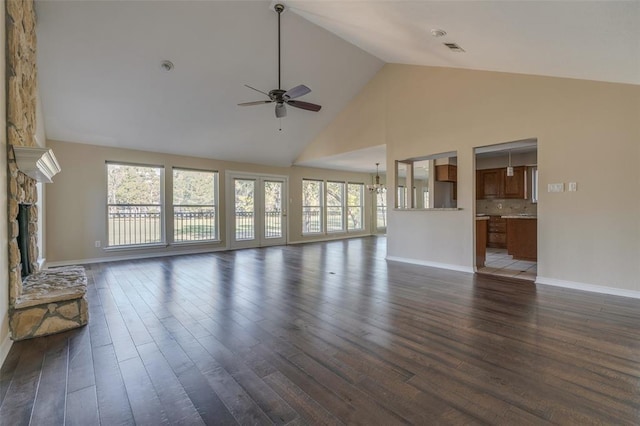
{"x": 47, "y": 301}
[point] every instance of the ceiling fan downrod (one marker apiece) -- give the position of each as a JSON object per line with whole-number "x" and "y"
{"x": 279, "y": 8}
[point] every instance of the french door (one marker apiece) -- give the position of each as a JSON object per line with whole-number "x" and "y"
{"x": 257, "y": 213}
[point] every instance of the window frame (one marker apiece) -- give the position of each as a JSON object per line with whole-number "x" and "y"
{"x": 215, "y": 205}
{"x": 162, "y": 207}
{"x": 341, "y": 207}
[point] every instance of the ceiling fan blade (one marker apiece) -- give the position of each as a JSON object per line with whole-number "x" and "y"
{"x": 304, "y": 105}
{"x": 296, "y": 92}
{"x": 253, "y": 88}
{"x": 255, "y": 103}
{"x": 281, "y": 110}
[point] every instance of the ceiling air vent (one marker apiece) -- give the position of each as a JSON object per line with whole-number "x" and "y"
{"x": 454, "y": 47}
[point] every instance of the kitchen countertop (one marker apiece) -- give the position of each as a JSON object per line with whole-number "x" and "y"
{"x": 482, "y": 217}
{"x": 517, "y": 216}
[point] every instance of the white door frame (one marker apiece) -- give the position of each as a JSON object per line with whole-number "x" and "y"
{"x": 259, "y": 240}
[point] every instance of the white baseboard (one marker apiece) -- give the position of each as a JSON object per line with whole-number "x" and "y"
{"x": 132, "y": 256}
{"x": 5, "y": 346}
{"x": 331, "y": 238}
{"x": 137, "y": 255}
{"x": 588, "y": 287}
{"x": 448, "y": 266}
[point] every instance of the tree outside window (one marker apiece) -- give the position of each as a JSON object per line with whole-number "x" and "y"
{"x": 335, "y": 206}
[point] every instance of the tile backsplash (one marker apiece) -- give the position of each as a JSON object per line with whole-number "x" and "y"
{"x": 506, "y": 207}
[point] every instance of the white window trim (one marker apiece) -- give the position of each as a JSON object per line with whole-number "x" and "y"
{"x": 321, "y": 199}
{"x": 162, "y": 205}
{"x": 216, "y": 205}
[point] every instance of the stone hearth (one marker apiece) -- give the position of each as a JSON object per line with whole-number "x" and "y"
{"x": 52, "y": 300}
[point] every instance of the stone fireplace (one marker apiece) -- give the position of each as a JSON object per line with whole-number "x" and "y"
{"x": 46, "y": 301}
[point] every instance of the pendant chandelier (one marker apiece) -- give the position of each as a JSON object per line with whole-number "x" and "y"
{"x": 377, "y": 187}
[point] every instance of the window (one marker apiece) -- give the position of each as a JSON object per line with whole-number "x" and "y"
{"x": 312, "y": 197}
{"x": 134, "y": 204}
{"x": 245, "y": 208}
{"x": 335, "y": 206}
{"x": 402, "y": 197}
{"x": 381, "y": 210}
{"x": 534, "y": 184}
{"x": 355, "y": 206}
{"x": 195, "y": 209}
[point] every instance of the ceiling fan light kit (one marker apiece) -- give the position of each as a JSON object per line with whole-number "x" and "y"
{"x": 280, "y": 96}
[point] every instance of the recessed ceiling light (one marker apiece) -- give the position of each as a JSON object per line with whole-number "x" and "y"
{"x": 438, "y": 33}
{"x": 166, "y": 65}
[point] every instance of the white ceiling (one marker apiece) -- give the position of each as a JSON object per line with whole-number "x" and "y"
{"x": 101, "y": 81}
{"x": 592, "y": 40}
{"x": 363, "y": 160}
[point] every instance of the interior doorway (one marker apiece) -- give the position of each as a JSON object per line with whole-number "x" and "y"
{"x": 257, "y": 216}
{"x": 506, "y": 209}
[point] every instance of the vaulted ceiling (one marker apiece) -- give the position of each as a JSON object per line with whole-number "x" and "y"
{"x": 101, "y": 81}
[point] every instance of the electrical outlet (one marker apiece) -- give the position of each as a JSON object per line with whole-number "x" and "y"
{"x": 573, "y": 186}
{"x": 98, "y": 244}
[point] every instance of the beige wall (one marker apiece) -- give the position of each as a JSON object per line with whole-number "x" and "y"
{"x": 588, "y": 132}
{"x": 5, "y": 343}
{"x": 361, "y": 124}
{"x": 76, "y": 209}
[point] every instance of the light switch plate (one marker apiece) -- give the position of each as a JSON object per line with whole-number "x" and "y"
{"x": 555, "y": 187}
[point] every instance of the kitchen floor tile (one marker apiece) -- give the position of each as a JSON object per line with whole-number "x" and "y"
{"x": 499, "y": 263}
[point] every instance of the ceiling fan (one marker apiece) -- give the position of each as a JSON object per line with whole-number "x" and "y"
{"x": 279, "y": 95}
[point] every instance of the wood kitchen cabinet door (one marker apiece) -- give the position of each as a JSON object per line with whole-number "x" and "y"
{"x": 515, "y": 186}
{"x": 447, "y": 173}
{"x": 489, "y": 183}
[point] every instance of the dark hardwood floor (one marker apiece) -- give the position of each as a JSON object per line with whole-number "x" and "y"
{"x": 327, "y": 333}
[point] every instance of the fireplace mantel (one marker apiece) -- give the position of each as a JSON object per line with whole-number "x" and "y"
{"x": 39, "y": 163}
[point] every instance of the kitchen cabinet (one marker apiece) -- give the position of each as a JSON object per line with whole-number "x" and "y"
{"x": 488, "y": 183}
{"x": 497, "y": 232}
{"x": 522, "y": 238}
{"x": 515, "y": 186}
{"x": 447, "y": 173}
{"x": 495, "y": 184}
{"x": 481, "y": 241}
